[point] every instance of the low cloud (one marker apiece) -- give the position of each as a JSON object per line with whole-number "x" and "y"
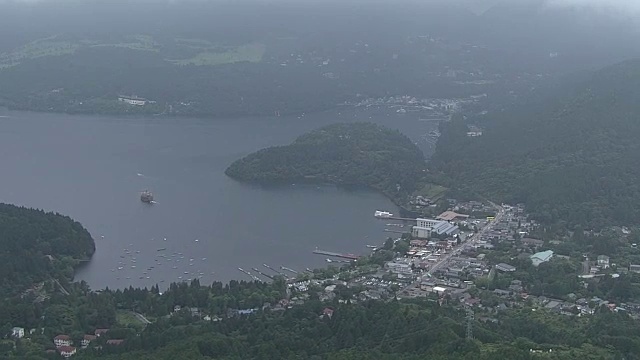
{"x": 620, "y": 6}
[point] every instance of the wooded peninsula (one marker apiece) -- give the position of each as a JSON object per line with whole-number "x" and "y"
{"x": 348, "y": 154}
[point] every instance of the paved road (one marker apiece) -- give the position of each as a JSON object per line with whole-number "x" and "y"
{"x": 62, "y": 289}
{"x": 141, "y": 317}
{"x": 472, "y": 241}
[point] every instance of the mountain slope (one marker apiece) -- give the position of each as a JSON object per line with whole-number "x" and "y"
{"x": 576, "y": 158}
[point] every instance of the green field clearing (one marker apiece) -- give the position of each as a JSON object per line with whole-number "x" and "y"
{"x": 127, "y": 318}
{"x": 249, "y": 52}
{"x": 36, "y": 49}
{"x": 432, "y": 191}
{"x": 195, "y": 43}
{"x": 206, "y": 53}
{"x": 133, "y": 42}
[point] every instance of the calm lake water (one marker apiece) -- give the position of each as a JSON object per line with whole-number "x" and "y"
{"x": 93, "y": 168}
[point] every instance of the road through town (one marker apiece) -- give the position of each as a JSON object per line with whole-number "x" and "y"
{"x": 444, "y": 259}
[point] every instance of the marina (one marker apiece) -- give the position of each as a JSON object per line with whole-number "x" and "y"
{"x": 263, "y": 274}
{"x": 274, "y": 270}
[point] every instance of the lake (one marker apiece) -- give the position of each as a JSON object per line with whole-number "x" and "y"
{"x": 93, "y": 168}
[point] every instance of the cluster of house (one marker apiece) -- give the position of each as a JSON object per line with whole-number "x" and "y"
{"x": 64, "y": 343}
{"x": 420, "y": 201}
{"x": 514, "y": 297}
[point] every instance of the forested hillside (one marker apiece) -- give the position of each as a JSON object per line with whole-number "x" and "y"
{"x": 575, "y": 158}
{"x": 361, "y": 154}
{"x": 35, "y": 245}
{"x": 411, "y": 330}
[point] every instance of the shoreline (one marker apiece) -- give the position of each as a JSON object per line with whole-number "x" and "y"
{"x": 172, "y": 116}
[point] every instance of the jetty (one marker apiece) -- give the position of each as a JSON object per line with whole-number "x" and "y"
{"x": 395, "y": 218}
{"x": 261, "y": 273}
{"x": 288, "y": 269}
{"x": 394, "y": 231}
{"x": 335, "y": 254}
{"x": 249, "y": 274}
{"x": 274, "y": 270}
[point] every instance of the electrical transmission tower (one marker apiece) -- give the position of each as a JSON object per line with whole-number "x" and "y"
{"x": 469, "y": 317}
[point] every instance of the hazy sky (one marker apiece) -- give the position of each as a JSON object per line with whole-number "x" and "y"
{"x": 619, "y": 5}
{"x": 624, "y": 6}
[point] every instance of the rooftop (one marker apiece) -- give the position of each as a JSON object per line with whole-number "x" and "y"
{"x": 450, "y": 215}
{"x": 541, "y": 257}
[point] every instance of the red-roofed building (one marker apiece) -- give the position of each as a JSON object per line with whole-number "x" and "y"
{"x": 62, "y": 340}
{"x": 87, "y": 340}
{"x": 328, "y": 312}
{"x": 67, "y": 351}
{"x": 115, "y": 342}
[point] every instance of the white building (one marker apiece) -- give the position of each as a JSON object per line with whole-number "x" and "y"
{"x": 603, "y": 261}
{"x": 421, "y": 232}
{"x": 400, "y": 268}
{"x": 426, "y": 222}
{"x": 62, "y": 340}
{"x": 425, "y": 227}
{"x": 67, "y": 351}
{"x": 132, "y": 100}
{"x": 17, "y": 332}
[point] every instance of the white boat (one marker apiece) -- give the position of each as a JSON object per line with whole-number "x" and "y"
{"x": 382, "y": 214}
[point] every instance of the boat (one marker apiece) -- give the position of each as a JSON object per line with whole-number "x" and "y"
{"x": 146, "y": 197}
{"x": 162, "y": 249}
{"x": 382, "y": 214}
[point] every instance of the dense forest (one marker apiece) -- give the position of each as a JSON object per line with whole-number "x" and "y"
{"x": 361, "y": 154}
{"x": 575, "y": 158}
{"x": 34, "y": 245}
{"x": 377, "y": 330}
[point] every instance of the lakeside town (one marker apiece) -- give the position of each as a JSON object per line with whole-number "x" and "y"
{"x": 460, "y": 259}
{"x": 468, "y": 256}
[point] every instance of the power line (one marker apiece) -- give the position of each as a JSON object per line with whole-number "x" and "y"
{"x": 470, "y": 317}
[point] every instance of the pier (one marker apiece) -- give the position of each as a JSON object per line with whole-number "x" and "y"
{"x": 334, "y": 254}
{"x": 263, "y": 274}
{"x": 394, "y": 231}
{"x": 395, "y": 218}
{"x": 250, "y": 274}
{"x": 288, "y": 269}
{"x": 275, "y": 271}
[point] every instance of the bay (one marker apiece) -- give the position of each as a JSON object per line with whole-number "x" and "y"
{"x": 93, "y": 168}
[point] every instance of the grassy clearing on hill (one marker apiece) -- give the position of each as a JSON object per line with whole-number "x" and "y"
{"x": 248, "y": 52}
